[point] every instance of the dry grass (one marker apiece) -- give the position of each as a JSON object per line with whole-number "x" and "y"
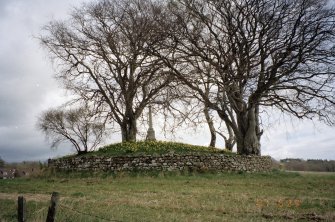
{"x": 27, "y": 196}
{"x": 158, "y": 197}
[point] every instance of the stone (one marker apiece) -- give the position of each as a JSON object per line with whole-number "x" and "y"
{"x": 151, "y": 132}
{"x": 166, "y": 163}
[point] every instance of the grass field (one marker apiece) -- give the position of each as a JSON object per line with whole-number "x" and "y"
{"x": 274, "y": 196}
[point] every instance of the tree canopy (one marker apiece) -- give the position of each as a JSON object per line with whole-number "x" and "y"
{"x": 260, "y": 53}
{"x": 236, "y": 57}
{"x": 103, "y": 53}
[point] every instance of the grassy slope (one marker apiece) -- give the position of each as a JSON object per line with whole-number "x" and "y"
{"x": 201, "y": 197}
{"x": 152, "y": 147}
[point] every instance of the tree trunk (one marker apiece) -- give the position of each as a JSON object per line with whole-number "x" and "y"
{"x": 81, "y": 152}
{"x": 230, "y": 141}
{"x": 211, "y": 127}
{"x": 248, "y": 137}
{"x": 129, "y": 129}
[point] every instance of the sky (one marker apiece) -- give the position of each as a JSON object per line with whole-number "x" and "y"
{"x": 28, "y": 87}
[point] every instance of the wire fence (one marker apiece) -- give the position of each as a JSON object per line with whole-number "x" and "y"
{"x": 61, "y": 211}
{"x": 64, "y": 208}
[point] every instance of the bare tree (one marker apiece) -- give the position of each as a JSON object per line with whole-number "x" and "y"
{"x": 204, "y": 71}
{"x": 103, "y": 57}
{"x": 211, "y": 127}
{"x": 263, "y": 53}
{"x": 228, "y": 137}
{"x": 78, "y": 126}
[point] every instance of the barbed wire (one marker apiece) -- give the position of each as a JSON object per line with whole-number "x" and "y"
{"x": 87, "y": 214}
{"x": 40, "y": 211}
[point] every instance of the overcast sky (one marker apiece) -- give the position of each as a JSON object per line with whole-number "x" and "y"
{"x": 27, "y": 87}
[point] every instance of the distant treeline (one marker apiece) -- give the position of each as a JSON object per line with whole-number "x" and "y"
{"x": 308, "y": 165}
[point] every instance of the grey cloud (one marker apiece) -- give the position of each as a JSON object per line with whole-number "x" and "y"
{"x": 26, "y": 77}
{"x": 25, "y": 143}
{"x": 27, "y": 87}
{"x": 300, "y": 139}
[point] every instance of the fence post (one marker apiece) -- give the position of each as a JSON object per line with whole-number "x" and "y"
{"x": 21, "y": 209}
{"x": 52, "y": 207}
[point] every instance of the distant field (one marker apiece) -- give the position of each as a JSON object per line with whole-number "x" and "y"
{"x": 312, "y": 173}
{"x": 274, "y": 196}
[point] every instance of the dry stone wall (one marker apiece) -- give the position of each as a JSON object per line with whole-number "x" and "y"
{"x": 165, "y": 162}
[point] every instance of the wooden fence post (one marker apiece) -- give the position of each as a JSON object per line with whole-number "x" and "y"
{"x": 52, "y": 207}
{"x": 21, "y": 209}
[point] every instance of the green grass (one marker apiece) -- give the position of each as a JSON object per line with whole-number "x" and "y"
{"x": 152, "y": 148}
{"x": 156, "y": 196}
